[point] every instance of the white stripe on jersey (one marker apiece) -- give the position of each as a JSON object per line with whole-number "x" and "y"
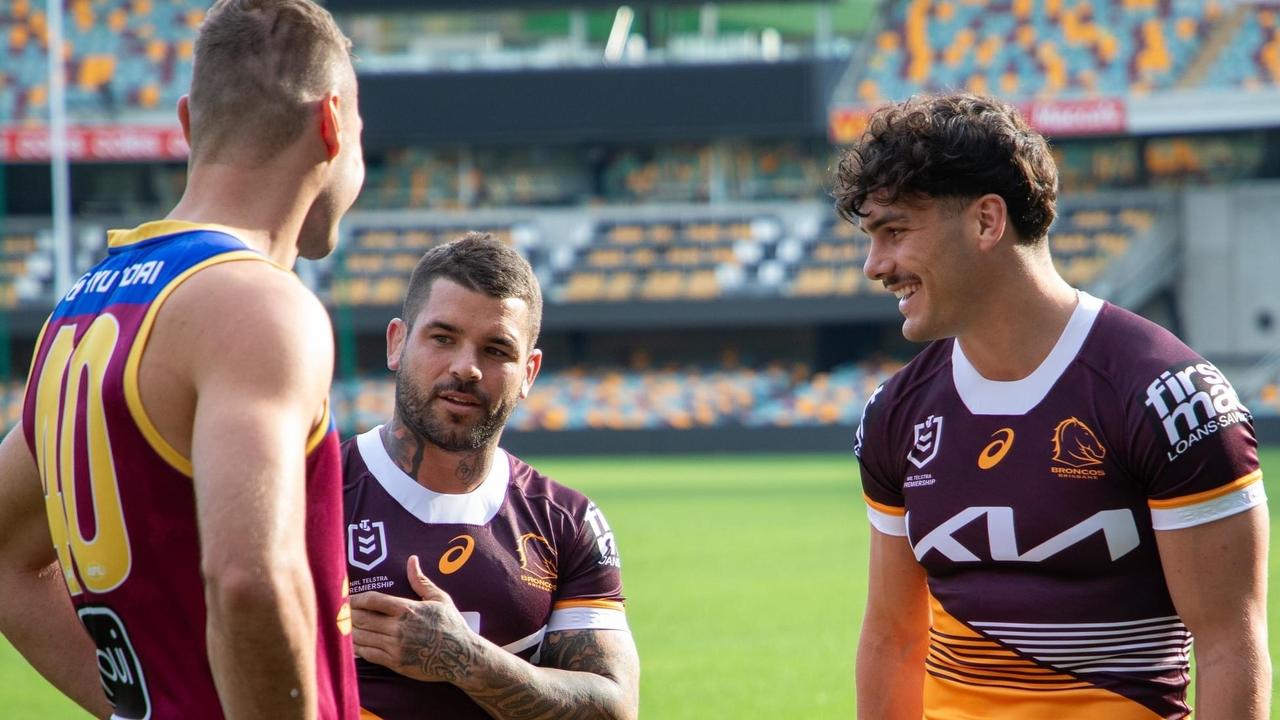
{"x": 1054, "y": 626}
{"x": 526, "y": 642}
{"x": 895, "y": 525}
{"x": 1249, "y": 496}
{"x": 587, "y": 618}
{"x": 1099, "y": 647}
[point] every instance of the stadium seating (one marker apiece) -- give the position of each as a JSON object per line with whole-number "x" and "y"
{"x": 26, "y": 267}
{"x": 124, "y": 56}
{"x": 1084, "y": 240}
{"x": 373, "y": 267}
{"x": 1252, "y": 59}
{"x": 1021, "y": 48}
{"x": 693, "y": 259}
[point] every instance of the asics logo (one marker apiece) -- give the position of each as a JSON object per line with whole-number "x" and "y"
{"x": 995, "y": 451}
{"x": 457, "y": 555}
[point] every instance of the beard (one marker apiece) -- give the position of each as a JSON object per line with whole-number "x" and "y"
{"x": 449, "y": 431}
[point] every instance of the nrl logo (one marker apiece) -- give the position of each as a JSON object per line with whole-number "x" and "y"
{"x": 928, "y": 436}
{"x": 366, "y": 544}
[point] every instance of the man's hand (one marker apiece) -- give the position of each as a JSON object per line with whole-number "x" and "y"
{"x": 424, "y": 639}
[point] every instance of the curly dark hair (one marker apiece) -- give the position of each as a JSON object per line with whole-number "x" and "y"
{"x": 957, "y": 146}
{"x": 480, "y": 263}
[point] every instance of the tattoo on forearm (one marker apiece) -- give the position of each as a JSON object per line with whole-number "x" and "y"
{"x": 577, "y": 650}
{"x": 426, "y": 647}
{"x": 579, "y": 698}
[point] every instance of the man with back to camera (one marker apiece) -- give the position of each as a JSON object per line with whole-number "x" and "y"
{"x": 480, "y": 588}
{"x": 1063, "y": 493}
{"x": 175, "y": 479}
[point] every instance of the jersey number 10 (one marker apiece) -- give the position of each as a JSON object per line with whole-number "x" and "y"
{"x": 65, "y": 443}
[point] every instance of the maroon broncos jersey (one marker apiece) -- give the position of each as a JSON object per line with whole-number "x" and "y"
{"x": 1032, "y": 506}
{"x": 521, "y": 555}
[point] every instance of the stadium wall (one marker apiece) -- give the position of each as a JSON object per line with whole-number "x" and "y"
{"x": 1230, "y": 300}
{"x": 625, "y": 104}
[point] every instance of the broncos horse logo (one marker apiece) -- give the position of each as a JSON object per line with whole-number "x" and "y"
{"x": 537, "y": 556}
{"x": 1076, "y": 445}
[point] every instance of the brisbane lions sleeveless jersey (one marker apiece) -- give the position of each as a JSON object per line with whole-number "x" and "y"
{"x": 521, "y": 556}
{"x": 1032, "y": 506}
{"x": 119, "y": 498}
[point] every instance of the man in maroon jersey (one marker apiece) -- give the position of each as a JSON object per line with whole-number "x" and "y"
{"x": 174, "y": 485}
{"x": 1063, "y": 494}
{"x": 480, "y": 588}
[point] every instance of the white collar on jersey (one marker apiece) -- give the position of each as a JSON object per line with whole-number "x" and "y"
{"x": 1018, "y": 397}
{"x": 474, "y": 508}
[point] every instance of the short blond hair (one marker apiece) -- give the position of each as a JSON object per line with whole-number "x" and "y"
{"x": 258, "y": 65}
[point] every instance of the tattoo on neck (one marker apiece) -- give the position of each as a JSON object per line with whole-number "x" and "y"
{"x": 470, "y": 467}
{"x": 405, "y": 445}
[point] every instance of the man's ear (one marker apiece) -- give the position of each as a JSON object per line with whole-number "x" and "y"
{"x": 992, "y": 216}
{"x": 397, "y": 334}
{"x": 331, "y": 124}
{"x": 531, "y": 368}
{"x": 184, "y": 118}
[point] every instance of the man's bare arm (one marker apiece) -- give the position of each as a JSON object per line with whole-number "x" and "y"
{"x": 260, "y": 362}
{"x": 584, "y": 674}
{"x": 36, "y": 614}
{"x": 1217, "y": 577}
{"x": 895, "y": 631}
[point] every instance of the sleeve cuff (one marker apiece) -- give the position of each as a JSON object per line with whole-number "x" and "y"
{"x": 889, "y": 524}
{"x": 1205, "y": 511}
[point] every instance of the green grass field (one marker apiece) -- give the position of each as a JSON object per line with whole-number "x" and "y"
{"x": 744, "y": 579}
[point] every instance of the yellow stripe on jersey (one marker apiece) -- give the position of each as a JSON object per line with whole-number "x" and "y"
{"x": 886, "y": 509}
{"x": 971, "y": 676}
{"x": 366, "y": 715}
{"x": 160, "y": 228}
{"x": 1185, "y": 500}
{"x": 945, "y": 700}
{"x": 132, "y": 390}
{"x": 320, "y": 430}
{"x": 599, "y": 604}
{"x": 964, "y": 655}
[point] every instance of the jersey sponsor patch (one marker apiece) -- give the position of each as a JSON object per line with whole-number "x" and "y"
{"x": 604, "y": 537}
{"x": 1192, "y": 401}
{"x": 118, "y": 666}
{"x": 1118, "y": 528}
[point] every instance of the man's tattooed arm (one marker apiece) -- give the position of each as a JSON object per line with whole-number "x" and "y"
{"x": 584, "y": 675}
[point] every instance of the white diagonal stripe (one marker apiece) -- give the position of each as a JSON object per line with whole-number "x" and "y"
{"x": 1131, "y": 646}
{"x": 1086, "y": 633}
{"x": 526, "y": 642}
{"x": 1073, "y": 626}
{"x": 1093, "y": 641}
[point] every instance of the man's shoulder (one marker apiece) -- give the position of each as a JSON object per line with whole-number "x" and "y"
{"x": 537, "y": 488}
{"x": 1132, "y": 351}
{"x": 916, "y": 377}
